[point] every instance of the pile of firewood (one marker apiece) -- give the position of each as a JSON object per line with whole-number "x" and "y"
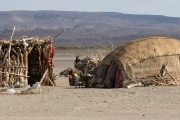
{"x": 164, "y": 79}
{"x": 86, "y": 66}
{"x": 89, "y": 65}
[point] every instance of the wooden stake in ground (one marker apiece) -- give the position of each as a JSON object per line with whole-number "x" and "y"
{"x": 172, "y": 78}
{"x": 45, "y": 73}
{"x": 26, "y": 66}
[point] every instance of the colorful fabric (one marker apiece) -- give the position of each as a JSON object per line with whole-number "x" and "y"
{"x": 75, "y": 74}
{"x": 53, "y": 50}
{"x": 118, "y": 79}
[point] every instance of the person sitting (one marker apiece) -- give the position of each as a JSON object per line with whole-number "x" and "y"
{"x": 77, "y": 60}
{"x": 73, "y": 78}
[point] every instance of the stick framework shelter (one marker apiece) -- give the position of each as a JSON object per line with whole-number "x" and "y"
{"x": 26, "y": 61}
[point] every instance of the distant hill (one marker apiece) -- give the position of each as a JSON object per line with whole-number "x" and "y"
{"x": 87, "y": 28}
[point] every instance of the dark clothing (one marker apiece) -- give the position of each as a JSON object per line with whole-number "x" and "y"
{"x": 71, "y": 72}
{"x": 71, "y": 78}
{"x": 77, "y": 60}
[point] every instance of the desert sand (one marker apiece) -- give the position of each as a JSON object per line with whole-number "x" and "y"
{"x": 68, "y": 103}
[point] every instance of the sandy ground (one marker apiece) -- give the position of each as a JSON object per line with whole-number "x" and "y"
{"x": 67, "y": 103}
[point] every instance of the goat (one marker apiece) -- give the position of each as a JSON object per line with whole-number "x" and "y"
{"x": 36, "y": 88}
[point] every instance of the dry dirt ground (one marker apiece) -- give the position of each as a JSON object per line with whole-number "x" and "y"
{"x": 67, "y": 103}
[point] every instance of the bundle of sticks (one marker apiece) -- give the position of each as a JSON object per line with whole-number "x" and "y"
{"x": 88, "y": 65}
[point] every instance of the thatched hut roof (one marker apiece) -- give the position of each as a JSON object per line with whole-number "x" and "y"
{"x": 141, "y": 61}
{"x": 143, "y": 49}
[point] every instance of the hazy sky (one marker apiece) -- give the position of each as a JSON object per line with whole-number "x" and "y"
{"x": 155, "y": 7}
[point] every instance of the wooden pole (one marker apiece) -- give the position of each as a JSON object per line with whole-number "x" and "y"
{"x": 172, "y": 78}
{"x": 12, "y": 33}
{"x": 51, "y": 82}
{"x": 112, "y": 46}
{"x": 26, "y": 66}
{"x": 9, "y": 60}
{"x": 1, "y": 67}
{"x": 45, "y": 73}
{"x": 9, "y": 51}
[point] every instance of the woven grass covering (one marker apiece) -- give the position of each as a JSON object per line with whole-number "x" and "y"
{"x": 143, "y": 58}
{"x": 143, "y": 49}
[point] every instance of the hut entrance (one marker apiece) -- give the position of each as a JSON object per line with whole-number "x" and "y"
{"x": 35, "y": 65}
{"x": 109, "y": 80}
{"x": 40, "y": 63}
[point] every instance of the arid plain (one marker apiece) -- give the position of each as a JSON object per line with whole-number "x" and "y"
{"x": 67, "y": 103}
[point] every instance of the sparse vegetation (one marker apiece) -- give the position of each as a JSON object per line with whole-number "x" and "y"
{"x": 82, "y": 47}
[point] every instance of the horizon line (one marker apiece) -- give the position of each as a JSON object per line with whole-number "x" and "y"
{"x": 89, "y": 12}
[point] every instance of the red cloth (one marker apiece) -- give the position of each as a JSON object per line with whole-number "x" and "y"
{"x": 53, "y": 50}
{"x": 118, "y": 80}
{"x": 49, "y": 61}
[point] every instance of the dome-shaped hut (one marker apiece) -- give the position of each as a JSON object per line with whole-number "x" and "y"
{"x": 139, "y": 60}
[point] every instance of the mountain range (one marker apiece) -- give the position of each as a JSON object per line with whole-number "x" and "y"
{"x": 87, "y": 28}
